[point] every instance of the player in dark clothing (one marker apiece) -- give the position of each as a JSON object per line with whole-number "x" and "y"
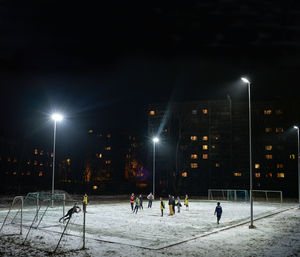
{"x": 218, "y": 211}
{"x": 74, "y": 209}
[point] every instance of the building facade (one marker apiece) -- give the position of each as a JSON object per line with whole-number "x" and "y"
{"x": 205, "y": 145}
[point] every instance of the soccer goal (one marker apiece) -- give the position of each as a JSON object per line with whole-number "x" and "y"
{"x": 267, "y": 195}
{"x": 18, "y": 203}
{"x": 228, "y": 194}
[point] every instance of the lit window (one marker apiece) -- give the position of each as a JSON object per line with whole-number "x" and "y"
{"x": 14, "y": 173}
{"x": 41, "y": 164}
{"x": 268, "y": 130}
{"x": 51, "y": 155}
{"x": 257, "y": 175}
{"x": 8, "y": 159}
{"x": 257, "y": 165}
{"x": 278, "y": 112}
{"x": 36, "y": 151}
{"x": 68, "y": 161}
{"x": 205, "y": 156}
{"x": 204, "y": 111}
{"x": 194, "y": 165}
{"x": 205, "y": 138}
{"x": 108, "y": 161}
{"x": 100, "y": 155}
{"x": 217, "y": 138}
{"x": 217, "y": 165}
{"x": 268, "y": 147}
{"x": 213, "y": 146}
{"x": 28, "y": 173}
{"x": 95, "y": 187}
{"x": 269, "y": 175}
{"x": 279, "y": 165}
{"x": 35, "y": 163}
{"x": 205, "y": 147}
{"x": 40, "y": 173}
{"x": 269, "y": 156}
{"x": 237, "y": 174}
{"x": 14, "y": 160}
{"x": 194, "y": 112}
{"x": 108, "y": 135}
{"x": 194, "y": 156}
{"x": 152, "y": 112}
{"x": 279, "y": 130}
{"x": 108, "y": 148}
{"x": 91, "y": 131}
{"x": 268, "y": 112}
{"x": 280, "y": 175}
{"x": 194, "y": 138}
{"x": 184, "y": 174}
{"x": 292, "y": 156}
{"x": 28, "y": 162}
{"x": 41, "y": 152}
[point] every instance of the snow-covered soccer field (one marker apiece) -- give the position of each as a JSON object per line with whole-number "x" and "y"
{"x": 115, "y": 223}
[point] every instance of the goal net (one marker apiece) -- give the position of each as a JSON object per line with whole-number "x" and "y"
{"x": 228, "y": 194}
{"x": 267, "y": 196}
{"x": 35, "y": 203}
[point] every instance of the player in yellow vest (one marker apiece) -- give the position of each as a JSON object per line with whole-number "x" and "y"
{"x": 162, "y": 206}
{"x": 85, "y": 202}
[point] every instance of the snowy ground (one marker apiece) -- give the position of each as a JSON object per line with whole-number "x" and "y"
{"x": 113, "y": 230}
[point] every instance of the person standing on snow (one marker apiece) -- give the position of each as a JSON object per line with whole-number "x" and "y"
{"x": 141, "y": 202}
{"x": 150, "y": 198}
{"x": 171, "y": 205}
{"x": 132, "y": 201}
{"x": 178, "y": 204}
{"x": 186, "y": 202}
{"x": 137, "y": 205}
{"x": 84, "y": 202}
{"x": 218, "y": 211}
{"x": 162, "y": 206}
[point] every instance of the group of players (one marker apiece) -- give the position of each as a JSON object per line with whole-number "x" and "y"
{"x": 136, "y": 203}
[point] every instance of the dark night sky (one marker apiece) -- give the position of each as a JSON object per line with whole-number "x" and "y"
{"x": 101, "y": 65}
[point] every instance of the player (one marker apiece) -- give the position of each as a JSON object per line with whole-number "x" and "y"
{"x": 186, "y": 202}
{"x": 218, "y": 211}
{"x": 85, "y": 202}
{"x": 150, "y": 198}
{"x": 162, "y": 206}
{"x": 132, "y": 201}
{"x": 178, "y": 204}
{"x": 74, "y": 209}
{"x": 137, "y": 205}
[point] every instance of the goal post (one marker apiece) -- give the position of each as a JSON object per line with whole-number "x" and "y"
{"x": 267, "y": 195}
{"x": 11, "y": 207}
{"x": 228, "y": 194}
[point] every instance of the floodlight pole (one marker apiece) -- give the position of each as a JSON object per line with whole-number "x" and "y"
{"x": 153, "y": 169}
{"x": 250, "y": 154}
{"x": 53, "y": 164}
{"x": 297, "y": 128}
{"x": 250, "y": 160}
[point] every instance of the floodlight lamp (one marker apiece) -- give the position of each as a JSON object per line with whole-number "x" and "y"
{"x": 155, "y": 139}
{"x": 296, "y": 127}
{"x": 57, "y": 117}
{"x": 245, "y": 80}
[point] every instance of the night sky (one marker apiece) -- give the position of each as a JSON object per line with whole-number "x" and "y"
{"x": 101, "y": 65}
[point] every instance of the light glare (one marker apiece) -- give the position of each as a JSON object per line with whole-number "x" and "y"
{"x": 245, "y": 80}
{"x": 296, "y": 127}
{"x": 57, "y": 117}
{"x": 155, "y": 139}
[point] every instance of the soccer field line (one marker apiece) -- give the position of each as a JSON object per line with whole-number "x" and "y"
{"x": 222, "y": 229}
